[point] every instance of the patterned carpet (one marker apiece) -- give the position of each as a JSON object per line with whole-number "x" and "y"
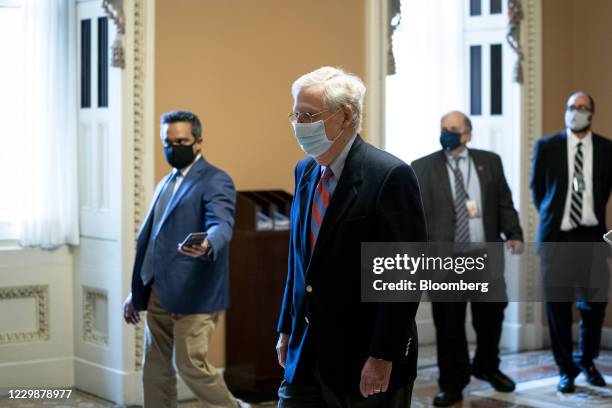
{"x": 535, "y": 373}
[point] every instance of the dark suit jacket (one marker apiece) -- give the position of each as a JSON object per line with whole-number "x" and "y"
{"x": 550, "y": 180}
{"x": 204, "y": 201}
{"x": 377, "y": 199}
{"x": 498, "y": 213}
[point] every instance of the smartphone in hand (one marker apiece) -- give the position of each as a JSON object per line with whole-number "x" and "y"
{"x": 193, "y": 239}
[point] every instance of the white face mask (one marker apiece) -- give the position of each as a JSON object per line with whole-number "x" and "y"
{"x": 577, "y": 121}
{"x": 312, "y": 137}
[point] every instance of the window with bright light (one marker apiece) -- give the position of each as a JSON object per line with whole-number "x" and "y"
{"x": 453, "y": 55}
{"x": 14, "y": 145}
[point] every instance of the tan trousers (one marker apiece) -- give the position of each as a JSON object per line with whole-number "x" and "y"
{"x": 184, "y": 339}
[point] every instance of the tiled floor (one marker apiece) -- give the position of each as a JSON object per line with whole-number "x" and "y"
{"x": 535, "y": 373}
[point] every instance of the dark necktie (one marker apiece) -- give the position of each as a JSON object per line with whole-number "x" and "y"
{"x": 320, "y": 202}
{"x": 146, "y": 271}
{"x": 577, "y": 188}
{"x": 462, "y": 224}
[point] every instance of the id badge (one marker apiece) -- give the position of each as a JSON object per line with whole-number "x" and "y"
{"x": 472, "y": 208}
{"x": 578, "y": 184}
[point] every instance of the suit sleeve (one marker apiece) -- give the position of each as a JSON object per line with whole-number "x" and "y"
{"x": 508, "y": 217}
{"x": 537, "y": 183}
{"x": 219, "y": 211}
{"x": 284, "y": 320}
{"x": 400, "y": 218}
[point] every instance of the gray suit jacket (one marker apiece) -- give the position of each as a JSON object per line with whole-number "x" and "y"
{"x": 499, "y": 215}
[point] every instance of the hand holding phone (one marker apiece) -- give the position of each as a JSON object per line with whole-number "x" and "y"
{"x": 193, "y": 239}
{"x": 195, "y": 245}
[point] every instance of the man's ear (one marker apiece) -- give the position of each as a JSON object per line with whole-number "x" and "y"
{"x": 348, "y": 116}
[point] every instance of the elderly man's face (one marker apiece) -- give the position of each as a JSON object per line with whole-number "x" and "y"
{"x": 310, "y": 100}
{"x": 455, "y": 122}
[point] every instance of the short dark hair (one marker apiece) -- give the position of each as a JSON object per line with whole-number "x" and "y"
{"x": 591, "y": 100}
{"x": 592, "y": 103}
{"x": 184, "y": 116}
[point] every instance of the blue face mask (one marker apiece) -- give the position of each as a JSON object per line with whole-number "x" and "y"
{"x": 450, "y": 140}
{"x": 312, "y": 137}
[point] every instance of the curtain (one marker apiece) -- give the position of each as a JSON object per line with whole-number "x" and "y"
{"x": 428, "y": 49}
{"x": 49, "y": 210}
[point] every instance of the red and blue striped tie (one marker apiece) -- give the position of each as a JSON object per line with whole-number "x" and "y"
{"x": 320, "y": 202}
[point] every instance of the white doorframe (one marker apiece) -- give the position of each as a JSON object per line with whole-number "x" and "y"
{"x": 376, "y": 71}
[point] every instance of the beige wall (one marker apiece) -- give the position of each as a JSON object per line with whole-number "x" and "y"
{"x": 232, "y": 62}
{"x": 577, "y": 55}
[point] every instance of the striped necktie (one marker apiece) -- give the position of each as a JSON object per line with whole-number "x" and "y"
{"x": 320, "y": 202}
{"x": 462, "y": 227}
{"x": 577, "y": 188}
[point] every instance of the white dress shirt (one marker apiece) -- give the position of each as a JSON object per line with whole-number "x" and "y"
{"x": 183, "y": 174}
{"x": 588, "y": 214}
{"x": 472, "y": 187}
{"x": 337, "y": 165}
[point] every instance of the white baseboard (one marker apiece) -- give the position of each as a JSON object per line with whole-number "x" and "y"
{"x": 44, "y": 373}
{"x": 120, "y": 387}
{"x": 522, "y": 337}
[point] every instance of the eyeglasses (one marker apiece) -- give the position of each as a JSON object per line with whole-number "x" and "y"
{"x": 579, "y": 108}
{"x": 304, "y": 117}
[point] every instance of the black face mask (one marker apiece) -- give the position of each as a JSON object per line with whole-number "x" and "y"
{"x": 450, "y": 140}
{"x": 179, "y": 156}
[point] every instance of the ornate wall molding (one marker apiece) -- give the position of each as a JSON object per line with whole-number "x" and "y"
{"x": 41, "y": 298}
{"x": 139, "y": 142}
{"x": 90, "y": 334}
{"x": 531, "y": 41}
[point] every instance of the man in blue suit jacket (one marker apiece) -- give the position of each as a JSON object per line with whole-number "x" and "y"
{"x": 336, "y": 350}
{"x": 183, "y": 289}
{"x": 571, "y": 182}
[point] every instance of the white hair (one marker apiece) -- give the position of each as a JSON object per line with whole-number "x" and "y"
{"x": 340, "y": 89}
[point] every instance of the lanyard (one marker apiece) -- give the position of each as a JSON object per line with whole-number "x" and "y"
{"x": 469, "y": 172}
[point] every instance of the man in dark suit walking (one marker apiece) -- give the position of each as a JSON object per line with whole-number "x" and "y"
{"x": 183, "y": 289}
{"x": 336, "y": 350}
{"x": 571, "y": 182}
{"x": 467, "y": 200}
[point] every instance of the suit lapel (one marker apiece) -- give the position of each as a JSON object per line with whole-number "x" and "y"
{"x": 149, "y": 217}
{"x": 344, "y": 196}
{"x": 564, "y": 164}
{"x": 306, "y": 190}
{"x": 441, "y": 174}
{"x": 598, "y": 165}
{"x": 483, "y": 172}
{"x": 189, "y": 181}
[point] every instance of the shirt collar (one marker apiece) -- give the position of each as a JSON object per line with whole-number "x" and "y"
{"x": 463, "y": 154}
{"x": 337, "y": 165}
{"x": 573, "y": 140}
{"x": 185, "y": 170}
